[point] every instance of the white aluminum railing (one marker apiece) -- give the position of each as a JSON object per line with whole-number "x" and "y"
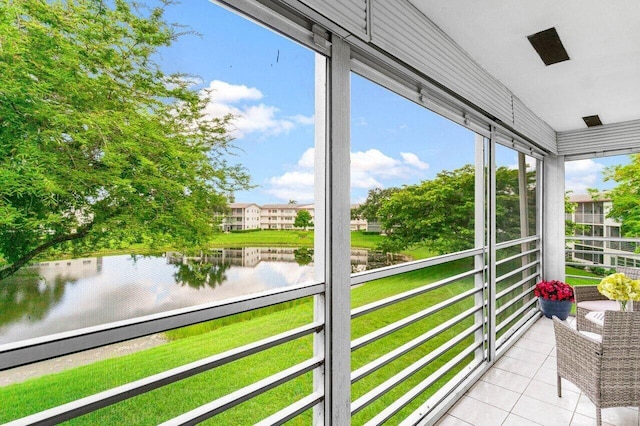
{"x": 467, "y": 349}
{"x": 628, "y": 251}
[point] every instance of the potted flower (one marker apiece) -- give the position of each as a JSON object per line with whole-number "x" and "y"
{"x": 621, "y": 288}
{"x": 555, "y": 297}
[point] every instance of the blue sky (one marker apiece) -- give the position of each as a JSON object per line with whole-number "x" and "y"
{"x": 267, "y": 82}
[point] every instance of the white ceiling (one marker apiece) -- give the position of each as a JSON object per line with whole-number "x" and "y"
{"x": 602, "y": 39}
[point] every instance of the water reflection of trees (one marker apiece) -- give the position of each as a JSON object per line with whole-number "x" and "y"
{"x": 29, "y": 296}
{"x": 200, "y": 274}
{"x": 303, "y": 256}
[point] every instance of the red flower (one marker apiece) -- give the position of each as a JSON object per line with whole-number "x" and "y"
{"x": 554, "y": 290}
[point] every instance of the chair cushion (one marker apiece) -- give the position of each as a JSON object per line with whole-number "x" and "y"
{"x": 600, "y": 305}
{"x": 593, "y": 336}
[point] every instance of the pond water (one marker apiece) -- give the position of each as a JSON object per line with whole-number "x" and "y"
{"x": 65, "y": 295}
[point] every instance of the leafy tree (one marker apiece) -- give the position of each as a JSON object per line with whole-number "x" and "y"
{"x": 436, "y": 212}
{"x": 440, "y": 213}
{"x": 625, "y": 197}
{"x": 96, "y": 142}
{"x": 370, "y": 209}
{"x": 303, "y": 220}
{"x": 508, "y": 204}
{"x": 569, "y": 208}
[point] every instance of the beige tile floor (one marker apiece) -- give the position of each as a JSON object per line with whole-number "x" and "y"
{"x": 520, "y": 390}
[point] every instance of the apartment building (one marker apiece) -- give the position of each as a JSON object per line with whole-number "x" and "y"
{"x": 282, "y": 216}
{"x": 242, "y": 216}
{"x": 276, "y": 216}
{"x": 591, "y": 217}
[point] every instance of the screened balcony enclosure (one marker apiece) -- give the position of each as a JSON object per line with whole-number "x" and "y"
{"x": 411, "y": 341}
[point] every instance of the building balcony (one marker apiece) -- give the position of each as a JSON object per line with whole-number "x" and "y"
{"x": 520, "y": 389}
{"x": 453, "y": 338}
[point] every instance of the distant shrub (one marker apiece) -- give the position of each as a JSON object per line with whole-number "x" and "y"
{"x": 244, "y": 231}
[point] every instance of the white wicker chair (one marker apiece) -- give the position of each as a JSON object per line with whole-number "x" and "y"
{"x": 606, "y": 372}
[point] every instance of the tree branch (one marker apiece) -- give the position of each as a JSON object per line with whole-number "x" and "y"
{"x": 15, "y": 266}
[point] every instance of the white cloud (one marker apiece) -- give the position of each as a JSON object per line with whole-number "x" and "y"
{"x": 223, "y": 92}
{"x": 413, "y": 160}
{"x": 372, "y": 160}
{"x": 361, "y": 179}
{"x": 293, "y": 179}
{"x": 308, "y": 158}
{"x": 369, "y": 169}
{"x": 261, "y": 119}
{"x": 582, "y": 174}
{"x": 582, "y": 166}
{"x": 240, "y": 101}
{"x": 294, "y": 185}
{"x": 303, "y": 119}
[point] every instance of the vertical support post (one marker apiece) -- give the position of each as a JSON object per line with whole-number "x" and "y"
{"x": 523, "y": 196}
{"x": 336, "y": 304}
{"x": 491, "y": 250}
{"x": 319, "y": 260}
{"x": 539, "y": 219}
{"x": 553, "y": 241}
{"x": 480, "y": 237}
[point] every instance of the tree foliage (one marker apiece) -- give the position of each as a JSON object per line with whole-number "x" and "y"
{"x": 370, "y": 209}
{"x": 440, "y": 213}
{"x": 96, "y": 141}
{"x": 436, "y": 212}
{"x": 625, "y": 197}
{"x": 303, "y": 220}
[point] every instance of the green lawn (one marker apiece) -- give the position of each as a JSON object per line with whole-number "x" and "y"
{"x": 38, "y": 394}
{"x": 581, "y": 281}
{"x": 263, "y": 238}
{"x": 202, "y": 340}
{"x": 287, "y": 238}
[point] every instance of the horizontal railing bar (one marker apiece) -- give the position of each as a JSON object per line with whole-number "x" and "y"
{"x": 412, "y": 369}
{"x": 292, "y": 411}
{"x": 371, "y": 307}
{"x": 365, "y": 276}
{"x": 415, "y": 392}
{"x": 517, "y": 256}
{"x": 55, "y": 345}
{"x": 103, "y": 399}
{"x": 513, "y": 301}
{"x": 209, "y": 410}
{"x": 614, "y": 239}
{"x": 375, "y": 365}
{"x": 516, "y": 329}
{"x": 441, "y": 398}
{"x": 517, "y": 270}
{"x": 511, "y": 243}
{"x": 584, "y": 276}
{"x": 609, "y": 253}
{"x": 384, "y": 331}
{"x": 517, "y": 313}
{"x": 588, "y": 265}
{"x": 514, "y": 286}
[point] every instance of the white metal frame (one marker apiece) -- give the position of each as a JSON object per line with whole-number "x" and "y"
{"x": 338, "y": 55}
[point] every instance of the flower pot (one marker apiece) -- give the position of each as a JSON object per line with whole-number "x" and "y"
{"x": 559, "y": 308}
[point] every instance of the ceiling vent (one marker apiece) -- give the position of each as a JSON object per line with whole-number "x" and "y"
{"x": 548, "y": 45}
{"x": 592, "y": 121}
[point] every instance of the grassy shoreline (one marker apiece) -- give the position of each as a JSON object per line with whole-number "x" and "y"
{"x": 263, "y": 238}
{"x": 198, "y": 341}
{"x": 47, "y": 391}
